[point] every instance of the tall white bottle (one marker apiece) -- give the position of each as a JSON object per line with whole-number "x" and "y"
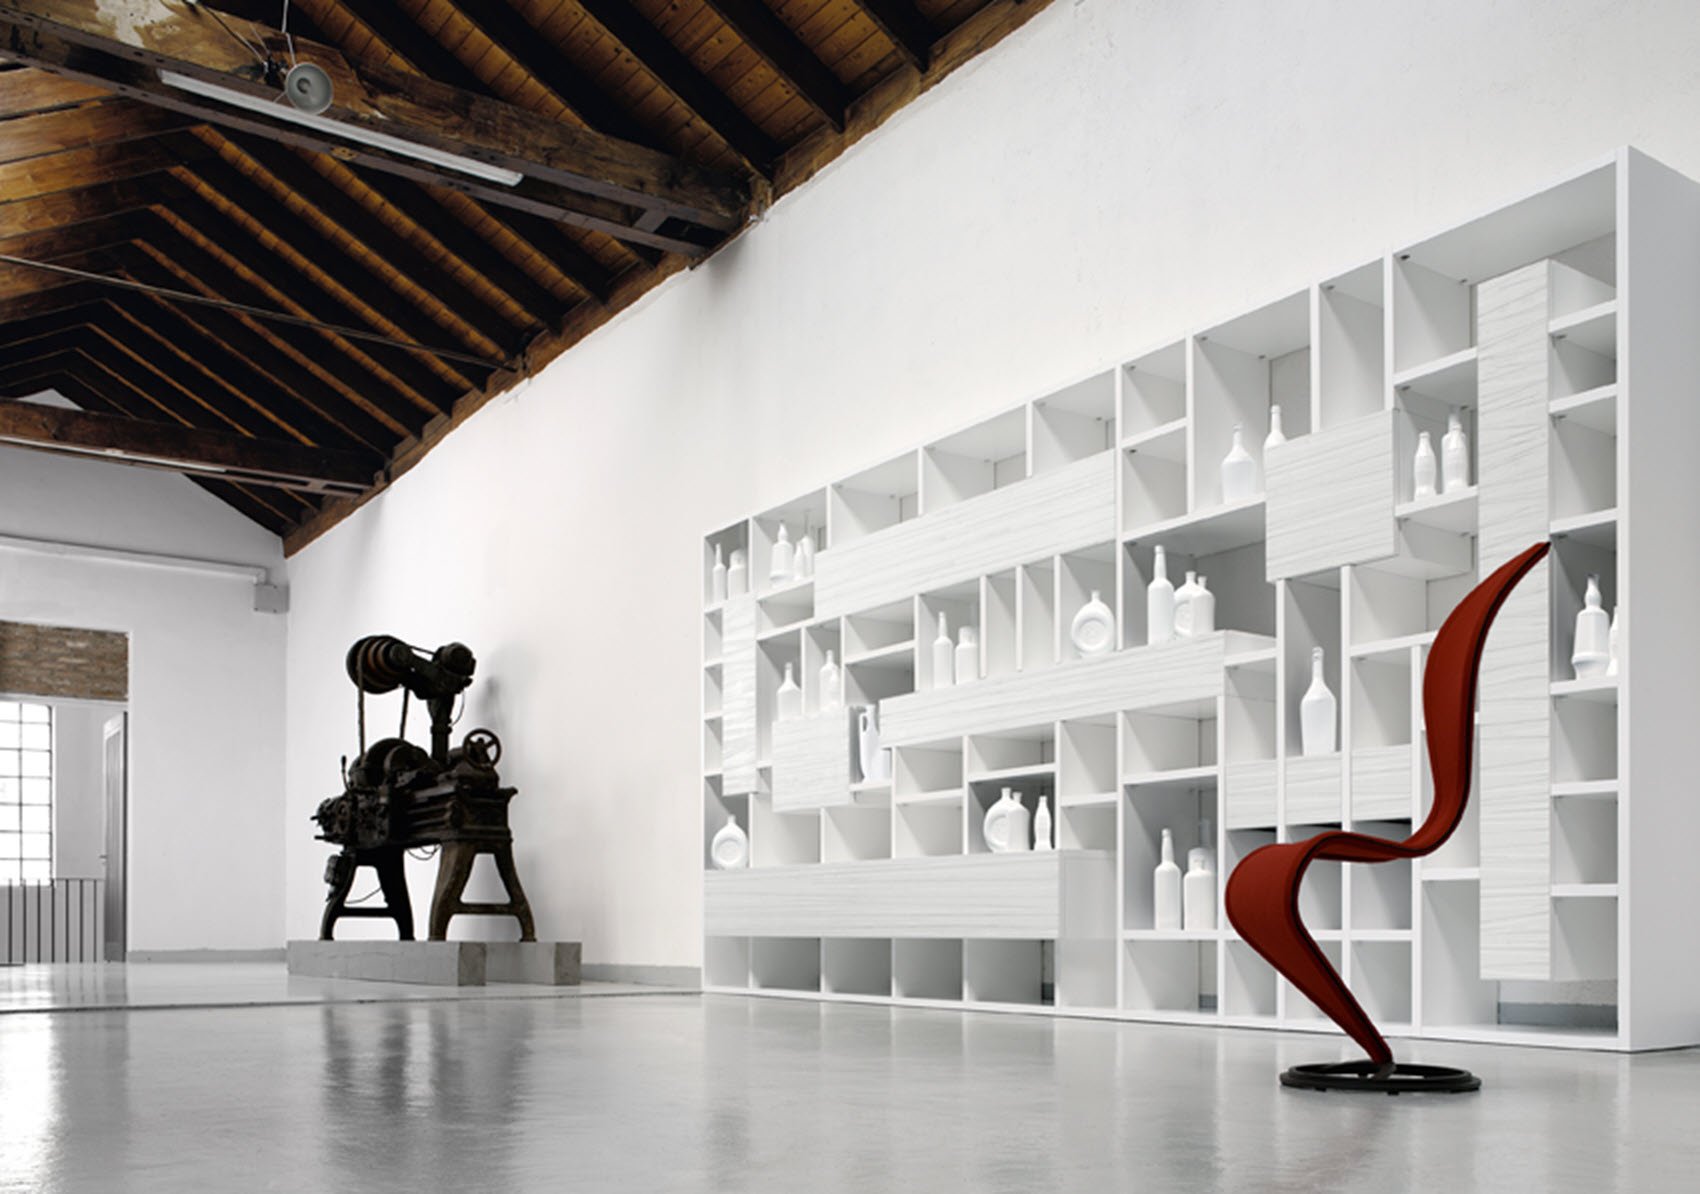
{"x": 1203, "y": 609}
{"x": 967, "y": 655}
{"x": 805, "y": 565}
{"x": 1454, "y": 456}
{"x": 1317, "y": 712}
{"x": 1424, "y": 469}
{"x": 717, "y": 576}
{"x": 1592, "y": 654}
{"x": 1276, "y": 434}
{"x": 1166, "y": 893}
{"x": 875, "y": 759}
{"x": 831, "y": 686}
{"x": 1239, "y": 471}
{"x": 1159, "y": 603}
{"x": 1183, "y": 605}
{"x": 1042, "y": 825}
{"x": 944, "y": 655}
{"x": 738, "y": 575}
{"x": 789, "y": 699}
{"x": 1616, "y": 641}
{"x": 783, "y": 567}
{"x": 1198, "y": 887}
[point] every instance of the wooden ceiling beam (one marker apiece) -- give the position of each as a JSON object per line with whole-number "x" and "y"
{"x": 110, "y": 123}
{"x": 26, "y": 91}
{"x": 906, "y": 27}
{"x": 65, "y": 208}
{"x": 85, "y": 40}
{"x": 20, "y": 281}
{"x": 48, "y": 244}
{"x": 77, "y": 169}
{"x": 60, "y": 298}
{"x": 770, "y": 37}
{"x": 185, "y": 449}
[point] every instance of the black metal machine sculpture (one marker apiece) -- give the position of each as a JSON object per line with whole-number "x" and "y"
{"x": 398, "y": 797}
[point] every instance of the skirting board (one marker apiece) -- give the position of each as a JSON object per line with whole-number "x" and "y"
{"x": 205, "y": 956}
{"x": 687, "y": 977}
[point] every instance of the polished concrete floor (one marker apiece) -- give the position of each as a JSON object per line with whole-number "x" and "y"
{"x": 676, "y": 1092}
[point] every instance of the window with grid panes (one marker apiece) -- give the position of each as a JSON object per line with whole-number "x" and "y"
{"x": 26, "y": 792}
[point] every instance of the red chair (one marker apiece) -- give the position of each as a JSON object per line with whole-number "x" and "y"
{"x": 1262, "y": 896}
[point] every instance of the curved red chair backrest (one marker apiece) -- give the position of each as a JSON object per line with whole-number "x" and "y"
{"x": 1262, "y": 896}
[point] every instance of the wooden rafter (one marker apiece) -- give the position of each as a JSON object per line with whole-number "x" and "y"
{"x": 64, "y": 209}
{"x": 786, "y": 53}
{"x": 906, "y": 27}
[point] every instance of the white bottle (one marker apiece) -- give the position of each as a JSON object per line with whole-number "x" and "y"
{"x": 1166, "y": 894}
{"x": 730, "y": 848}
{"x": 831, "y": 684}
{"x": 1454, "y": 456}
{"x": 717, "y": 576}
{"x": 805, "y": 562}
{"x": 1198, "y": 888}
{"x": 1423, "y": 469}
{"x": 738, "y": 575}
{"x": 1592, "y": 654}
{"x": 1005, "y": 825}
{"x": 967, "y": 655}
{"x": 1616, "y": 642}
{"x": 1203, "y": 609}
{"x": 1159, "y": 603}
{"x": 875, "y": 759}
{"x": 1093, "y": 630}
{"x": 783, "y": 567}
{"x": 789, "y": 700}
{"x": 1183, "y": 605}
{"x": 1239, "y": 472}
{"x": 1042, "y": 825}
{"x": 1276, "y": 435}
{"x": 944, "y": 655}
{"x": 1316, "y": 712}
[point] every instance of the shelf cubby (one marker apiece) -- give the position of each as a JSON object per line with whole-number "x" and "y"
{"x": 711, "y": 746}
{"x": 716, "y": 807}
{"x": 970, "y": 463}
{"x": 1086, "y": 826}
{"x": 1153, "y": 480}
{"x": 1381, "y": 687}
{"x": 1235, "y": 576}
{"x": 1000, "y": 624}
{"x": 877, "y": 631}
{"x": 875, "y": 499}
{"x": 782, "y": 838}
{"x": 1381, "y": 979}
{"x": 930, "y": 771}
{"x": 1434, "y": 315}
{"x": 1153, "y": 391}
{"x": 1248, "y": 983}
{"x": 1584, "y": 841}
{"x": 773, "y": 655}
{"x": 1086, "y": 758}
{"x": 1573, "y": 559}
{"x": 1584, "y": 937}
{"x": 726, "y": 962}
{"x": 805, "y": 516}
{"x": 1248, "y": 713}
{"x": 959, "y": 605}
{"x": 1583, "y": 278}
{"x": 1170, "y": 975}
{"x": 713, "y": 702}
{"x": 1182, "y": 810}
{"x": 1168, "y": 738}
{"x": 729, "y": 539}
{"x": 1074, "y": 423}
{"x": 1461, "y": 851}
{"x": 1595, "y": 409}
{"x": 1381, "y": 894}
{"x": 713, "y": 637}
{"x": 1310, "y": 618}
{"x": 818, "y": 640}
{"x": 926, "y": 968}
{"x": 1295, "y": 1007}
{"x": 1239, "y": 370}
{"x": 856, "y": 833}
{"x": 1583, "y": 469}
{"x": 785, "y": 963}
{"x": 1392, "y": 611}
{"x": 1080, "y": 574}
{"x": 1416, "y": 412}
{"x": 1453, "y": 991}
{"x": 879, "y": 675}
{"x": 1351, "y": 349}
{"x": 1027, "y": 784}
{"x": 856, "y": 966}
{"x": 1036, "y": 598}
{"x": 1321, "y": 895}
{"x": 999, "y": 971}
{"x": 931, "y": 829}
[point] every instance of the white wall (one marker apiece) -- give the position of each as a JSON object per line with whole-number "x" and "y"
{"x": 1111, "y": 176}
{"x": 79, "y": 791}
{"x": 206, "y": 686}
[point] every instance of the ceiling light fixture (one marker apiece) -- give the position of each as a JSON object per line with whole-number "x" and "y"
{"x": 340, "y": 129}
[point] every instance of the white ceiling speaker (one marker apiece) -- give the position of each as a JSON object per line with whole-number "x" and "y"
{"x": 308, "y": 88}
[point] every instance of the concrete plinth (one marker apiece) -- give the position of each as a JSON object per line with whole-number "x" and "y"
{"x": 440, "y": 963}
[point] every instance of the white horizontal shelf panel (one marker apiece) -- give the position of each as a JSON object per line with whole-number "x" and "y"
{"x": 796, "y": 591}
{"x": 1601, "y": 690}
{"x": 1380, "y": 936}
{"x": 1518, "y": 1034}
{"x": 1454, "y": 512}
{"x": 1029, "y": 896}
{"x": 1166, "y": 442}
{"x": 1586, "y": 789}
{"x": 1593, "y": 328}
{"x": 896, "y": 656}
{"x": 1584, "y": 891}
{"x": 1056, "y": 511}
{"x": 1178, "y": 777}
{"x": 1597, "y": 528}
{"x": 1452, "y": 874}
{"x": 1400, "y": 645}
{"x": 1260, "y": 660}
{"x": 1205, "y": 532}
{"x": 936, "y": 796}
{"x": 1595, "y": 409}
{"x": 784, "y": 630}
{"x": 1088, "y": 800}
{"x": 1451, "y": 378}
{"x": 1174, "y": 935}
{"x": 1025, "y": 771}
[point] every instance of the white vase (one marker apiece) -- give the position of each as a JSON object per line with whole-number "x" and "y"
{"x": 1166, "y": 888}
{"x": 1592, "y": 654}
{"x": 1276, "y": 435}
{"x": 1094, "y": 628}
{"x": 1317, "y": 712}
{"x": 738, "y": 575}
{"x": 717, "y": 576}
{"x": 1183, "y": 605}
{"x": 1203, "y": 609}
{"x": 730, "y": 848}
{"x": 944, "y": 657}
{"x": 1006, "y": 825}
{"x": 1198, "y": 887}
{"x": 1423, "y": 469}
{"x": 1454, "y": 456}
{"x": 1616, "y": 642}
{"x": 875, "y": 759}
{"x": 831, "y": 684}
{"x": 1159, "y": 603}
{"x": 788, "y": 701}
{"x": 805, "y": 563}
{"x": 782, "y": 568}
{"x": 1042, "y": 825}
{"x": 1239, "y": 472}
{"x": 967, "y": 655}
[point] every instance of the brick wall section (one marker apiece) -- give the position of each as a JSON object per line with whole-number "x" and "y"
{"x": 58, "y": 661}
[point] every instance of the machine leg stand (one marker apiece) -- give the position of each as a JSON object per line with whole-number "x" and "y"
{"x": 390, "y": 866}
{"x": 455, "y": 869}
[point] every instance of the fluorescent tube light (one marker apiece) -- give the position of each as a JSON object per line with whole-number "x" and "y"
{"x": 282, "y": 110}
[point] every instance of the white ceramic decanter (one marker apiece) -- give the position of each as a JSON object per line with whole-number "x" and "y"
{"x": 1203, "y": 609}
{"x": 805, "y": 563}
{"x": 1093, "y": 630}
{"x": 1592, "y": 654}
{"x": 1615, "y": 640}
{"x": 1317, "y": 712}
{"x": 944, "y": 657}
{"x": 1423, "y": 469}
{"x": 730, "y": 848}
{"x": 967, "y": 655}
{"x": 782, "y": 569}
{"x": 788, "y": 701}
{"x": 737, "y": 575}
{"x": 1006, "y": 825}
{"x": 1454, "y": 456}
{"x": 831, "y": 685}
{"x": 1183, "y": 605}
{"x": 1159, "y": 603}
{"x": 1276, "y": 435}
{"x": 1042, "y": 825}
{"x": 875, "y": 759}
{"x": 1239, "y": 471}
{"x": 1198, "y": 886}
{"x": 1166, "y": 888}
{"x": 717, "y": 576}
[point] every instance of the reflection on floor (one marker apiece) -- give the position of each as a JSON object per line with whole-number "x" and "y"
{"x": 688, "y": 1093}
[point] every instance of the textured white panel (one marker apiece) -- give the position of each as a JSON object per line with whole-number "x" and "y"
{"x": 1330, "y": 498}
{"x": 738, "y": 694}
{"x": 1018, "y": 896}
{"x": 1516, "y": 769}
{"x": 1382, "y": 781}
{"x": 1313, "y": 790}
{"x": 811, "y": 761}
{"x": 1249, "y": 790}
{"x": 1057, "y": 511}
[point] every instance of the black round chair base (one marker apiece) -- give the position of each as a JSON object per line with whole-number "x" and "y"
{"x": 1370, "y": 1078}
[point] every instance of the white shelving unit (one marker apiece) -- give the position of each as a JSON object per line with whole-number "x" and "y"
{"x": 1564, "y": 318}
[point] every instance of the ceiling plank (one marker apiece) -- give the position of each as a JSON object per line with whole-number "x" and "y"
{"x": 906, "y": 27}
{"x": 28, "y": 91}
{"x": 111, "y": 123}
{"x": 185, "y": 449}
{"x": 46, "y": 244}
{"x": 65, "y": 208}
{"x": 787, "y": 54}
{"x": 79, "y": 168}
{"x": 61, "y": 298}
